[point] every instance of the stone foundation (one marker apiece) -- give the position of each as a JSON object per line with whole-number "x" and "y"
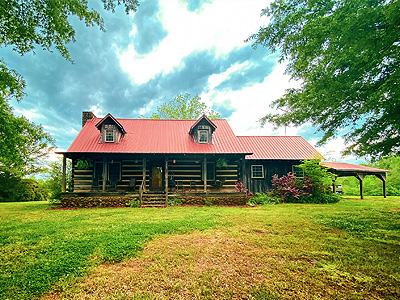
{"x": 96, "y": 201}
{"x": 231, "y": 199}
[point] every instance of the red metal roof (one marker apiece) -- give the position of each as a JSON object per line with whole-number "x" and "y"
{"x": 157, "y": 136}
{"x": 350, "y": 167}
{"x": 278, "y": 147}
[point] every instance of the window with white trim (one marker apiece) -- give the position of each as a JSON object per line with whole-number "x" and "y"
{"x": 203, "y": 136}
{"x": 109, "y": 135}
{"x": 257, "y": 171}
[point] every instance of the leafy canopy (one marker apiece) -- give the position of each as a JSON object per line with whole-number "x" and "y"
{"x": 347, "y": 55}
{"x": 184, "y": 107}
{"x": 27, "y": 24}
{"x": 23, "y": 144}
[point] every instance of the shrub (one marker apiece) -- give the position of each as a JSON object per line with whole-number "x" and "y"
{"x": 208, "y": 201}
{"x": 174, "y": 202}
{"x": 313, "y": 188}
{"x": 134, "y": 203}
{"x": 261, "y": 199}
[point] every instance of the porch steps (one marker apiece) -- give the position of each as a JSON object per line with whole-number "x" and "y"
{"x": 153, "y": 200}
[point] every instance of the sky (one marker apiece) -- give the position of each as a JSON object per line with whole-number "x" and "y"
{"x": 150, "y": 56}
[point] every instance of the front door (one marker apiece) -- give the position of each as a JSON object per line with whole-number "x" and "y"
{"x": 156, "y": 178}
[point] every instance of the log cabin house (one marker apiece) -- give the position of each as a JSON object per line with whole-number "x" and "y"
{"x": 156, "y": 160}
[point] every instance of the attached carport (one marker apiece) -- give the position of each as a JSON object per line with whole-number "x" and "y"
{"x": 344, "y": 170}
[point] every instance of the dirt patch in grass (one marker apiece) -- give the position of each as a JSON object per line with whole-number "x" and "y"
{"x": 205, "y": 265}
{"x": 208, "y": 265}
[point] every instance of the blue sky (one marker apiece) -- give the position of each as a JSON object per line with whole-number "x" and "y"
{"x": 148, "y": 57}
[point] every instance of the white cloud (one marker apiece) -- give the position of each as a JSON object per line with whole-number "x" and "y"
{"x": 251, "y": 103}
{"x": 217, "y": 28}
{"x": 30, "y": 114}
{"x": 148, "y": 108}
{"x": 97, "y": 110}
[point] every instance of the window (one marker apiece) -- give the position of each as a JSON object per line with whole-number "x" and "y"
{"x": 257, "y": 171}
{"x": 203, "y": 136}
{"x": 109, "y": 135}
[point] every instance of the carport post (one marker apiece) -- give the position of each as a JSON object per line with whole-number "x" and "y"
{"x": 382, "y": 176}
{"x": 360, "y": 178}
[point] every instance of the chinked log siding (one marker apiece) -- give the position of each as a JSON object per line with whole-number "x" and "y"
{"x": 270, "y": 168}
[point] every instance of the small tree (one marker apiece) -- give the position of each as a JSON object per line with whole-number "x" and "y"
{"x": 53, "y": 178}
{"x": 184, "y": 107}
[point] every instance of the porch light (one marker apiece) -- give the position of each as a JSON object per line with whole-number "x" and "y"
{"x": 174, "y": 161}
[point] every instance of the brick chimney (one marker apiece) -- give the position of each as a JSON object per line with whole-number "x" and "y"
{"x": 87, "y": 115}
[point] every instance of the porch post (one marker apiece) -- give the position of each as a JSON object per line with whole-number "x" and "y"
{"x": 334, "y": 186}
{"x": 64, "y": 171}
{"x": 144, "y": 174}
{"x": 104, "y": 174}
{"x": 205, "y": 174}
{"x": 166, "y": 181}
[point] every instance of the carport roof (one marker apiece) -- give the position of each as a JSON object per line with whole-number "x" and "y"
{"x": 344, "y": 168}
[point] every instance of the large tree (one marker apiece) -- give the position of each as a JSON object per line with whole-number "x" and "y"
{"x": 23, "y": 145}
{"x": 346, "y": 54}
{"x": 25, "y": 25}
{"x": 184, "y": 107}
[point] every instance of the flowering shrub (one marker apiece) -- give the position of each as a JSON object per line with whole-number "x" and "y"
{"x": 313, "y": 188}
{"x": 239, "y": 188}
{"x": 289, "y": 187}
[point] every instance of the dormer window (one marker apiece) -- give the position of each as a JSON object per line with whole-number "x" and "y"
{"x": 111, "y": 129}
{"x": 203, "y": 136}
{"x": 109, "y": 135}
{"x": 202, "y": 130}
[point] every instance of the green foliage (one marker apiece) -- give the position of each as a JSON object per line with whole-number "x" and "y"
{"x": 221, "y": 163}
{"x": 53, "y": 178}
{"x": 261, "y": 199}
{"x": 346, "y": 54}
{"x": 174, "y": 202}
{"x": 16, "y": 189}
{"x": 208, "y": 201}
{"x": 320, "y": 178}
{"x": 39, "y": 247}
{"x": 84, "y": 163}
{"x": 183, "y": 107}
{"x": 134, "y": 203}
{"x": 23, "y": 145}
{"x": 25, "y": 25}
{"x": 372, "y": 186}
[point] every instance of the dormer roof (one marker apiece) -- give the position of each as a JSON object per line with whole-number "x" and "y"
{"x": 114, "y": 120}
{"x": 203, "y": 119}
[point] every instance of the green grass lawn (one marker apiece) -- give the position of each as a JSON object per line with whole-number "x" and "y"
{"x": 352, "y": 247}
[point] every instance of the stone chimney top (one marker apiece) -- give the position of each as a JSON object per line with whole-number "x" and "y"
{"x": 87, "y": 115}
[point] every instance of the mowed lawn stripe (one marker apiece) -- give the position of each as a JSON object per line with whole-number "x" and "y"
{"x": 39, "y": 247}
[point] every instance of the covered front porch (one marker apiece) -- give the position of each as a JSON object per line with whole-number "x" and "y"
{"x": 121, "y": 175}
